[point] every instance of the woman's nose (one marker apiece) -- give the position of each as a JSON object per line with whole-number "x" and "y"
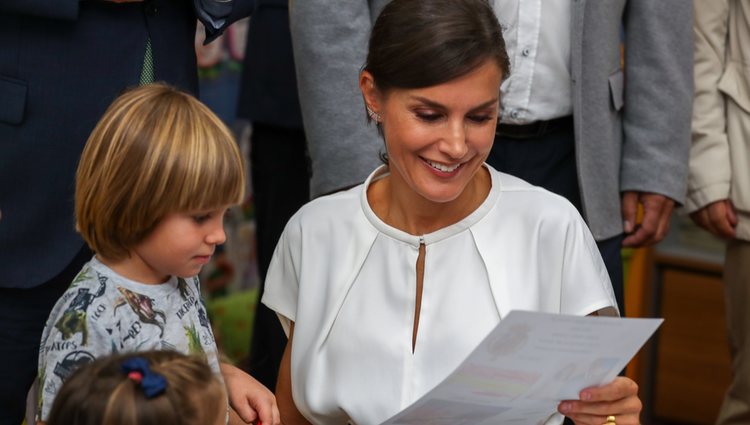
{"x": 454, "y": 144}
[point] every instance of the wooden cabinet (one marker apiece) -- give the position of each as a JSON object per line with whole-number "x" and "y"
{"x": 687, "y": 364}
{"x": 691, "y": 362}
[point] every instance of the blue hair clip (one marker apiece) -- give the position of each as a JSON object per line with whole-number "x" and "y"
{"x": 138, "y": 371}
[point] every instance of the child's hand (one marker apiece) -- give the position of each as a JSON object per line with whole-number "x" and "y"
{"x": 249, "y": 398}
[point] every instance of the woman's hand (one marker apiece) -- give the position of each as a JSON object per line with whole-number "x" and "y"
{"x": 619, "y": 398}
{"x": 249, "y": 398}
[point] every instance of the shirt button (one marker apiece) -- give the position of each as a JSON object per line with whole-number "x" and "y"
{"x": 526, "y": 52}
{"x": 151, "y": 8}
{"x": 514, "y": 113}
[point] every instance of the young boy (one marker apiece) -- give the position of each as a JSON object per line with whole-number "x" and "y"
{"x": 154, "y": 181}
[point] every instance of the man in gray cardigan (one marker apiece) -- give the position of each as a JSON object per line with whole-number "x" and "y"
{"x": 619, "y": 156}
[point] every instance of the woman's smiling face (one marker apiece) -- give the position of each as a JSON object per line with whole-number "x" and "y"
{"x": 438, "y": 137}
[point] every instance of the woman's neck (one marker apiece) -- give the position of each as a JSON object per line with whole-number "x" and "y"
{"x": 399, "y": 206}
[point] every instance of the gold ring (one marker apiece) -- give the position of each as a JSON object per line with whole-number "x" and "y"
{"x": 611, "y": 420}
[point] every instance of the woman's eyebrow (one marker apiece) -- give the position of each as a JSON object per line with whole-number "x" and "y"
{"x": 436, "y": 105}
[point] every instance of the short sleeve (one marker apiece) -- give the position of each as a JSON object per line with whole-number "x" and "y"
{"x": 586, "y": 287}
{"x": 283, "y": 278}
{"x": 74, "y": 336}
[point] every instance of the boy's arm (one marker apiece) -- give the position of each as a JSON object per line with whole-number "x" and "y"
{"x": 248, "y": 397}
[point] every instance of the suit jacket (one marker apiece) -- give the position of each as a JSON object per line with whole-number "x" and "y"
{"x": 642, "y": 146}
{"x": 61, "y": 63}
{"x": 268, "y": 93}
{"x": 721, "y": 109}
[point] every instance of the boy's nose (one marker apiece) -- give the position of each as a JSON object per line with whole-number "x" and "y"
{"x": 217, "y": 236}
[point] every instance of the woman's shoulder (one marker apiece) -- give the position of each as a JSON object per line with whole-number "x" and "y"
{"x": 336, "y": 208}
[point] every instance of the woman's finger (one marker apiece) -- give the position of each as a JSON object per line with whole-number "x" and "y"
{"x": 624, "y": 419}
{"x": 619, "y": 388}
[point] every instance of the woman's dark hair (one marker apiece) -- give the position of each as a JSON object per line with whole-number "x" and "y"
{"x": 422, "y": 43}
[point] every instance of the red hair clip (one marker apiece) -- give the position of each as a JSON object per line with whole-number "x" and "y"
{"x": 135, "y": 376}
{"x": 137, "y": 370}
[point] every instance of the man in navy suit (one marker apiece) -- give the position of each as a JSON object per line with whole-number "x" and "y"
{"x": 61, "y": 63}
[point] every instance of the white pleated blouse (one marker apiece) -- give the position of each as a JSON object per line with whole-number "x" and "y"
{"x": 348, "y": 282}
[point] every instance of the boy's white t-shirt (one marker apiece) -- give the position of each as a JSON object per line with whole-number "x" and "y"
{"x": 104, "y": 313}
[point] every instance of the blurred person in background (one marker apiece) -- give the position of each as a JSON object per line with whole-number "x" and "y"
{"x": 718, "y": 197}
{"x": 278, "y": 160}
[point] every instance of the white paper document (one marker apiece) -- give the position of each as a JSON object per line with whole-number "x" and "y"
{"x": 526, "y": 366}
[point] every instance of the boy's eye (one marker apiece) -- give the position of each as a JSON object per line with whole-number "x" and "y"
{"x": 201, "y": 218}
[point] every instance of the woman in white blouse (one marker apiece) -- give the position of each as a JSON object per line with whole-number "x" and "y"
{"x": 385, "y": 288}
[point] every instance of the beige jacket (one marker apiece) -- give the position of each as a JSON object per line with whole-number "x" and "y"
{"x": 720, "y": 151}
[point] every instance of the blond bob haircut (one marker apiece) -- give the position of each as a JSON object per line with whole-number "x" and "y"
{"x": 100, "y": 393}
{"x": 156, "y": 151}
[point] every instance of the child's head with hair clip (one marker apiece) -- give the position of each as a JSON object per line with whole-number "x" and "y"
{"x": 157, "y": 153}
{"x": 149, "y": 388}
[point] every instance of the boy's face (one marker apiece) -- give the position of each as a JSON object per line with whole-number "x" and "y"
{"x": 180, "y": 245}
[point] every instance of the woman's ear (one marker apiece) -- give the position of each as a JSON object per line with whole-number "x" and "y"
{"x": 370, "y": 94}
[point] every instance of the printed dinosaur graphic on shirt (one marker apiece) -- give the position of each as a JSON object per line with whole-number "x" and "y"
{"x": 143, "y": 307}
{"x": 194, "y": 340}
{"x": 82, "y": 276}
{"x": 103, "y": 313}
{"x": 182, "y": 286}
{"x": 195, "y": 302}
{"x": 73, "y": 319}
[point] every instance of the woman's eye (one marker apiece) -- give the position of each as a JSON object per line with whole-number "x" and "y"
{"x": 480, "y": 118}
{"x": 428, "y": 117}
